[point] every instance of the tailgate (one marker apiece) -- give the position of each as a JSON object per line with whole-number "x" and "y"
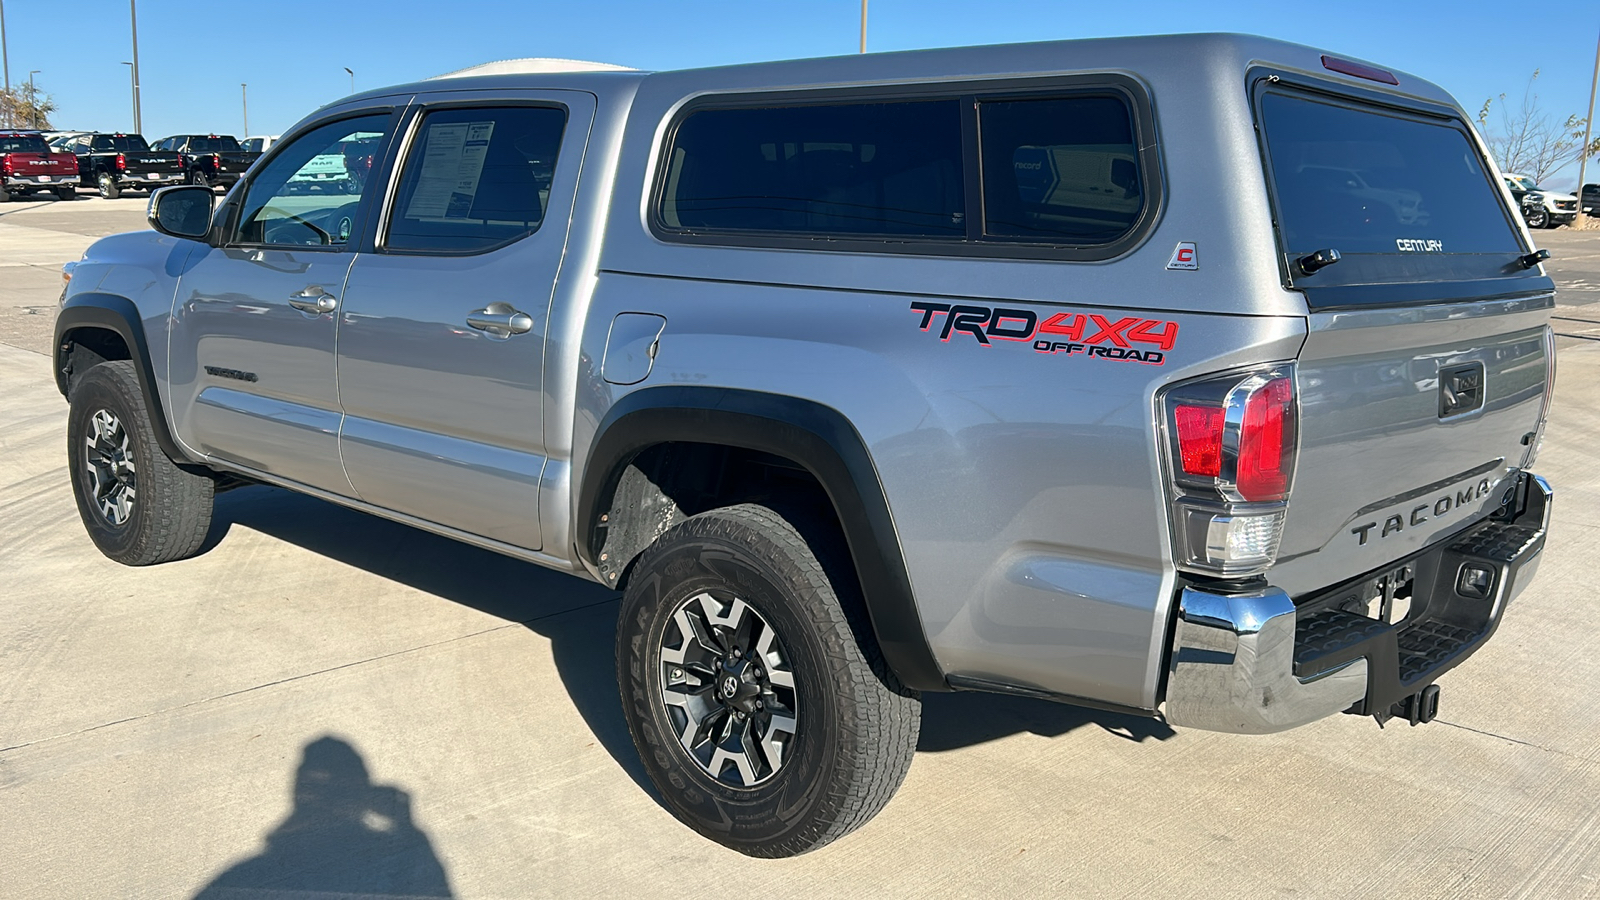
{"x": 153, "y": 162}
{"x": 1410, "y": 422}
{"x": 34, "y": 164}
{"x": 235, "y": 162}
{"x": 1422, "y": 381}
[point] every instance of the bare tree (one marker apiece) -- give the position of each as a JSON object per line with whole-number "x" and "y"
{"x": 26, "y": 107}
{"x": 1527, "y": 141}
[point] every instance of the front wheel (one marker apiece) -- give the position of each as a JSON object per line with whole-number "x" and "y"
{"x": 108, "y": 188}
{"x": 758, "y": 701}
{"x": 1537, "y": 216}
{"x": 137, "y": 505}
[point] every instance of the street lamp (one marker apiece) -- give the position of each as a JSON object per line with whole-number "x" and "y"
{"x": 244, "y": 101}
{"x": 135, "y": 86}
{"x": 33, "y": 98}
{"x": 133, "y": 23}
{"x": 5, "y": 56}
{"x": 352, "y": 79}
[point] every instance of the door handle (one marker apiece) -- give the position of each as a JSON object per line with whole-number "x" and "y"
{"x": 314, "y": 300}
{"x": 500, "y": 320}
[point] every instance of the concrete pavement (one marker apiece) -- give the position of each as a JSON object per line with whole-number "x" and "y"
{"x": 328, "y": 703}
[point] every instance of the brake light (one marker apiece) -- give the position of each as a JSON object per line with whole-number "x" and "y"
{"x": 122, "y": 163}
{"x": 216, "y": 161}
{"x": 1200, "y": 439}
{"x": 6, "y": 166}
{"x": 1266, "y": 442}
{"x": 1232, "y": 443}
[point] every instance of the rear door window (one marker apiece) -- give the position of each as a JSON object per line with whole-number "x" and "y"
{"x": 476, "y": 178}
{"x": 1365, "y": 180}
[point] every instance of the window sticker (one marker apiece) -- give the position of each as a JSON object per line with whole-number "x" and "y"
{"x": 451, "y": 166}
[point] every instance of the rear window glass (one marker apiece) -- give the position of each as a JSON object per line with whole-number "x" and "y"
{"x": 212, "y": 144}
{"x": 1362, "y": 180}
{"x": 122, "y": 143}
{"x": 22, "y": 143}
{"x": 857, "y": 169}
{"x": 1062, "y": 170}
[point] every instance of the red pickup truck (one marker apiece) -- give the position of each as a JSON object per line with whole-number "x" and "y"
{"x": 27, "y": 165}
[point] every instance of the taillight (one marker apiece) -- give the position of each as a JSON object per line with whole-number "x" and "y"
{"x": 1266, "y": 442}
{"x": 5, "y": 165}
{"x": 122, "y": 163}
{"x": 1231, "y": 441}
{"x": 216, "y": 162}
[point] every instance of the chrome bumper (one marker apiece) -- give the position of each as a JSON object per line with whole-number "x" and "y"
{"x": 1233, "y": 655}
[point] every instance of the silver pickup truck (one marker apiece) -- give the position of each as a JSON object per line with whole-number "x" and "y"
{"x": 1190, "y": 376}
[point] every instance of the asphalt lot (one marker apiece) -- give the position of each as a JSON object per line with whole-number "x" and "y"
{"x": 330, "y": 704}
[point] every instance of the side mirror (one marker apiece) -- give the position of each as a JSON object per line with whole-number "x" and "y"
{"x": 183, "y": 211}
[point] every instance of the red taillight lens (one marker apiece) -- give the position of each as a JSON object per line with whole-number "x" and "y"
{"x": 216, "y": 161}
{"x": 122, "y": 163}
{"x": 1200, "y": 439}
{"x": 5, "y": 164}
{"x": 1266, "y": 442}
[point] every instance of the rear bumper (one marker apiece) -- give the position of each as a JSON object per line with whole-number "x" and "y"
{"x": 33, "y": 182}
{"x": 1254, "y": 663}
{"x": 136, "y": 179}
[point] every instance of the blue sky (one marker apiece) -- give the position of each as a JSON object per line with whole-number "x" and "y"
{"x": 292, "y": 53}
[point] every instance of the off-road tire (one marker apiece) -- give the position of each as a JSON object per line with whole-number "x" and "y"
{"x": 856, "y": 724}
{"x": 108, "y": 188}
{"x": 171, "y": 507}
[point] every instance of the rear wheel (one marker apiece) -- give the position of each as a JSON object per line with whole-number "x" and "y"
{"x": 762, "y": 709}
{"x": 66, "y": 193}
{"x": 138, "y": 507}
{"x": 198, "y": 177}
{"x": 108, "y": 188}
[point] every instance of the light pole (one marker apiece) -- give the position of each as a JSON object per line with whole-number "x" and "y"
{"x": 1583, "y": 158}
{"x": 5, "y": 55}
{"x": 33, "y": 99}
{"x": 134, "y": 86}
{"x": 244, "y": 101}
{"x": 133, "y": 20}
{"x": 352, "y": 79}
{"x": 863, "y": 26}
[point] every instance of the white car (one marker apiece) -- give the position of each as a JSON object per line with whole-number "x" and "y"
{"x": 1542, "y": 207}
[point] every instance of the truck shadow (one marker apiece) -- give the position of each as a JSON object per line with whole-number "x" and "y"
{"x": 579, "y": 619}
{"x": 345, "y": 837}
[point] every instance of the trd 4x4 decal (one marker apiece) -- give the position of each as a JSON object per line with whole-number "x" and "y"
{"x": 1087, "y": 334}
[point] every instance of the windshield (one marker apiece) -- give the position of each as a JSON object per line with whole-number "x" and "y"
{"x": 21, "y": 143}
{"x": 121, "y": 143}
{"x": 1365, "y": 180}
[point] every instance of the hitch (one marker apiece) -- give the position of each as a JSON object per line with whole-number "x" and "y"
{"x": 1418, "y": 709}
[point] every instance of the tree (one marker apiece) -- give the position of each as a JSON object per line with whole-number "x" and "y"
{"x": 25, "y": 106}
{"x": 1526, "y": 141}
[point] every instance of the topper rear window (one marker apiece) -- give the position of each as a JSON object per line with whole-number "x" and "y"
{"x": 1366, "y": 180}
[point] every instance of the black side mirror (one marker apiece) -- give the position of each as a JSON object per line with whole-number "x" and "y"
{"x": 183, "y": 211}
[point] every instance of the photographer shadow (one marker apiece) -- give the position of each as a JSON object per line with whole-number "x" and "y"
{"x": 345, "y": 837}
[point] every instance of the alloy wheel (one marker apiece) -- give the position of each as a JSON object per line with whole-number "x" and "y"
{"x": 108, "y": 462}
{"x": 727, "y": 683}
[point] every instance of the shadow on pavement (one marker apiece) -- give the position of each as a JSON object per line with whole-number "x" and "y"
{"x": 345, "y": 837}
{"x": 953, "y": 721}
{"x": 579, "y": 619}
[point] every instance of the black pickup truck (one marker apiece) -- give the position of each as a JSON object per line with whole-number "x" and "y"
{"x": 114, "y": 163}
{"x": 210, "y": 159}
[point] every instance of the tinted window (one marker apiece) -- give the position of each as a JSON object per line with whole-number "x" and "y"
{"x": 476, "y": 178}
{"x": 22, "y": 143}
{"x": 305, "y": 194}
{"x": 1064, "y": 170}
{"x": 121, "y": 143}
{"x": 212, "y": 144}
{"x": 859, "y": 169}
{"x": 1362, "y": 180}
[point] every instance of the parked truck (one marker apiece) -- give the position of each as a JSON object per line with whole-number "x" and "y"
{"x": 873, "y": 376}
{"x": 210, "y": 159}
{"x": 113, "y": 163}
{"x": 28, "y": 166}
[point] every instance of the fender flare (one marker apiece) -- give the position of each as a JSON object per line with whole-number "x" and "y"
{"x": 109, "y": 312}
{"x": 818, "y": 438}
